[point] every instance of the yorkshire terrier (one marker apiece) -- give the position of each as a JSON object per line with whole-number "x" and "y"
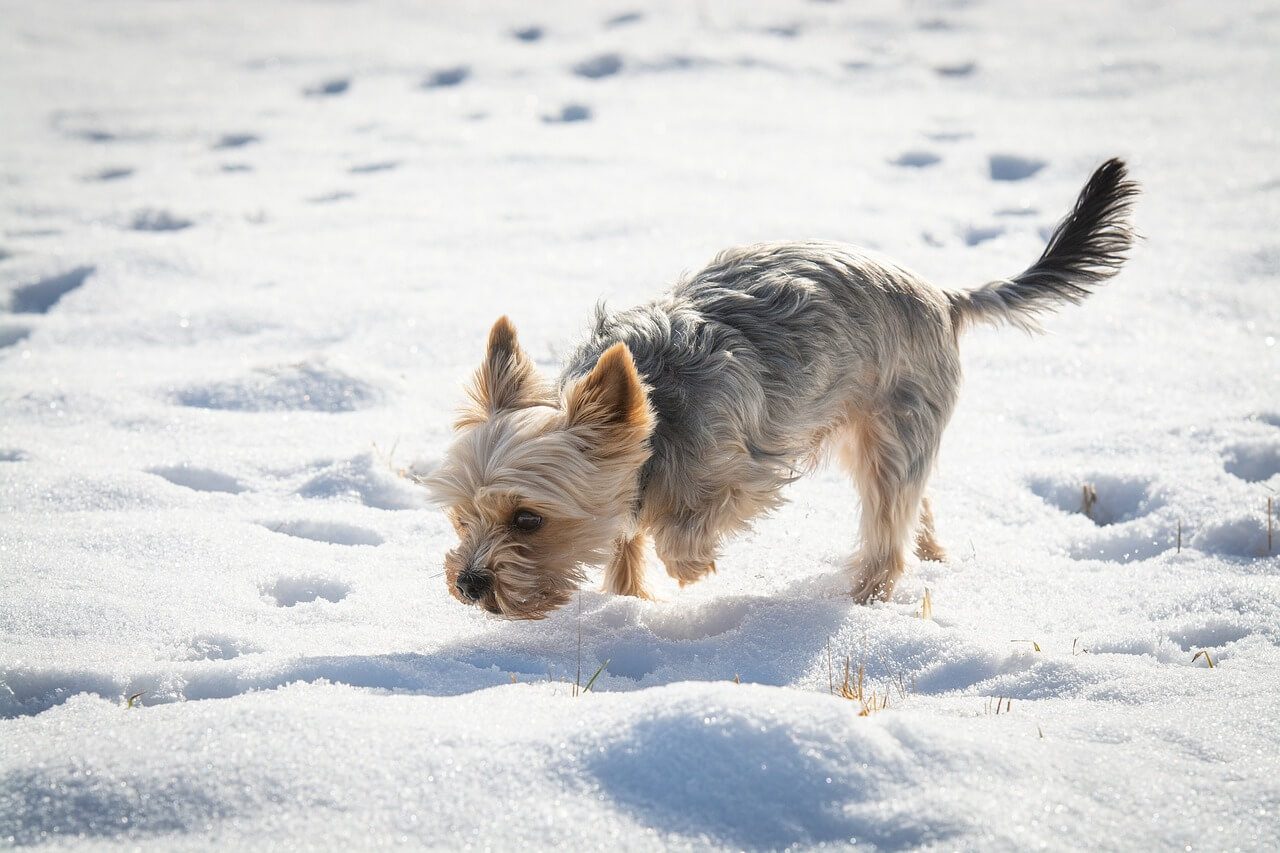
{"x": 683, "y": 418}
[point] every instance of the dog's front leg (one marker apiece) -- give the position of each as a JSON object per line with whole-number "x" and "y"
{"x": 625, "y": 573}
{"x": 686, "y": 553}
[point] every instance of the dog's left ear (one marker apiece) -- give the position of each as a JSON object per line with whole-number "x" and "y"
{"x": 611, "y": 398}
{"x": 506, "y": 379}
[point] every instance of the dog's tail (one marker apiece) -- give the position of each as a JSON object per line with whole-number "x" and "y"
{"x": 1086, "y": 248}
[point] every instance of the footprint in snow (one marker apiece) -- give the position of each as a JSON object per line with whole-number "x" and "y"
{"x": 12, "y": 335}
{"x": 296, "y": 387}
{"x": 12, "y": 454}
{"x": 977, "y": 234}
{"x": 362, "y": 479}
{"x": 151, "y": 219}
{"x": 1253, "y": 461}
{"x": 214, "y": 647}
{"x": 956, "y": 70}
{"x": 623, "y": 19}
{"x": 199, "y": 479}
{"x": 634, "y": 662}
{"x": 329, "y": 198}
{"x": 709, "y": 620}
{"x": 371, "y": 168}
{"x": 112, "y": 174}
{"x": 1104, "y": 499}
{"x": 40, "y": 296}
{"x": 1244, "y": 535}
{"x": 1017, "y": 211}
{"x": 1207, "y": 632}
{"x": 569, "y": 113}
{"x": 328, "y": 88}
{"x": 330, "y": 532}
{"x": 786, "y": 31}
{"x": 235, "y": 140}
{"x": 916, "y": 159}
{"x": 1122, "y": 509}
{"x": 446, "y": 77}
{"x": 596, "y": 67}
{"x": 1012, "y": 167}
{"x": 528, "y": 34}
{"x": 292, "y": 591}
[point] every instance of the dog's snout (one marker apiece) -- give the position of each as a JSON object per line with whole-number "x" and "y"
{"x": 472, "y": 584}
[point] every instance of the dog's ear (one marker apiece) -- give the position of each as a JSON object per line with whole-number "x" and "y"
{"x": 506, "y": 379}
{"x": 611, "y": 397}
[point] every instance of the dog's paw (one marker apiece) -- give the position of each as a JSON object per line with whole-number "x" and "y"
{"x": 689, "y": 571}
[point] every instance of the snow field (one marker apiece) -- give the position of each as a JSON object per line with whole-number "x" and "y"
{"x": 248, "y": 252}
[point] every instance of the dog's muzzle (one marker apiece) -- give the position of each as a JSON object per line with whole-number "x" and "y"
{"x": 472, "y": 584}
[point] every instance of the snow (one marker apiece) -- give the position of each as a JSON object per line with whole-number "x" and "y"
{"x": 249, "y": 250}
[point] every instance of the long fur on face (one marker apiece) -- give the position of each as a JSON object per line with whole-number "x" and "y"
{"x": 571, "y": 459}
{"x": 683, "y": 418}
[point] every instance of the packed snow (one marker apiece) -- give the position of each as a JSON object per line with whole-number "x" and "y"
{"x": 249, "y": 252}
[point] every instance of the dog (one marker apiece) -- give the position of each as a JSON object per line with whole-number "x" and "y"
{"x": 682, "y": 419}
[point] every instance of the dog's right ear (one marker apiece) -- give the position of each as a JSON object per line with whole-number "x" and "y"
{"x": 506, "y": 379}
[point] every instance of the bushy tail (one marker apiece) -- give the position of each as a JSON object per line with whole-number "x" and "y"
{"x": 1086, "y": 248}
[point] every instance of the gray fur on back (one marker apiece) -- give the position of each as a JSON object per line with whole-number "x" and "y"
{"x": 752, "y": 360}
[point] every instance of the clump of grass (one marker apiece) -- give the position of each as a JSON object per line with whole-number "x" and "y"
{"x": 1001, "y": 701}
{"x": 854, "y": 687}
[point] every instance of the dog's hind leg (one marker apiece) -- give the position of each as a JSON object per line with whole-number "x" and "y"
{"x": 891, "y": 456}
{"x": 927, "y": 547}
{"x": 625, "y": 573}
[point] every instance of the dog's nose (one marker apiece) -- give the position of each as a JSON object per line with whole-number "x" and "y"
{"x": 471, "y": 585}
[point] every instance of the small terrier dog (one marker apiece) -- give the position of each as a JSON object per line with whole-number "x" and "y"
{"x": 683, "y": 418}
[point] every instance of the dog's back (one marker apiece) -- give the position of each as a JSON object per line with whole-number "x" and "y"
{"x": 773, "y": 352}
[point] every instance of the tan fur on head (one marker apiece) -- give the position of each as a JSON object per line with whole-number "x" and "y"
{"x": 571, "y": 460}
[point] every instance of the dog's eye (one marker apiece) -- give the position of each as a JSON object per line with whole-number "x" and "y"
{"x": 526, "y": 521}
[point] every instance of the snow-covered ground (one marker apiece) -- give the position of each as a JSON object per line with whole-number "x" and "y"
{"x": 248, "y": 250}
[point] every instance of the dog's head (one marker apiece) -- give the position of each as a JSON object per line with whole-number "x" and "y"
{"x": 539, "y": 483}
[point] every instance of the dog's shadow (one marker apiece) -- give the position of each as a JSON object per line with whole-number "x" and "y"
{"x": 773, "y": 639}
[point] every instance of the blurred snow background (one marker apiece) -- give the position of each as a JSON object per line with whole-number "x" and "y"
{"x": 249, "y": 250}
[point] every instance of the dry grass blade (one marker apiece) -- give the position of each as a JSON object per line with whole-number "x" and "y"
{"x": 1089, "y": 497}
{"x": 1207, "y": 659}
{"x": 577, "y": 682}
{"x": 134, "y": 698}
{"x": 926, "y": 607}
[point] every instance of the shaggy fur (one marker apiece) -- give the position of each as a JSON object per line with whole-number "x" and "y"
{"x": 682, "y": 419}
